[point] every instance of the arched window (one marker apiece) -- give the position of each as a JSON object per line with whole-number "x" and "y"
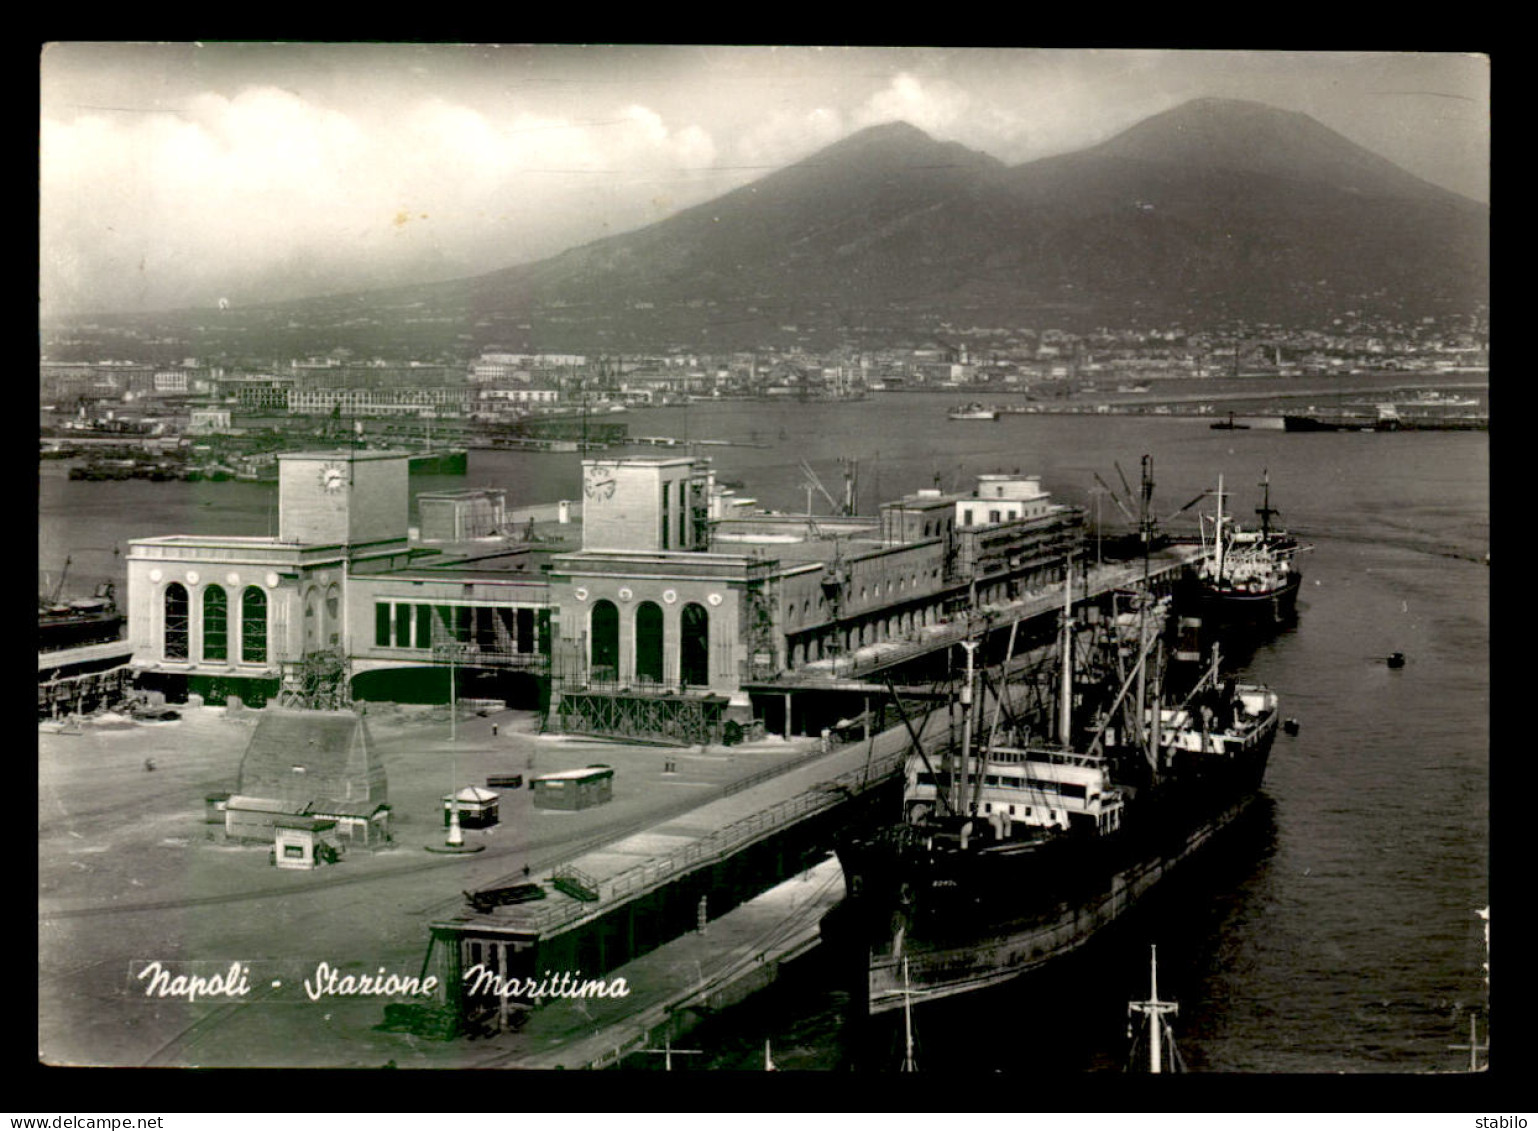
{"x": 253, "y": 626}
{"x": 648, "y": 641}
{"x": 604, "y": 635}
{"x": 216, "y": 623}
{"x": 694, "y": 646}
{"x": 177, "y": 624}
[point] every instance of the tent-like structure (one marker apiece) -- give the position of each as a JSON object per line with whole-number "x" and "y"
{"x": 310, "y": 763}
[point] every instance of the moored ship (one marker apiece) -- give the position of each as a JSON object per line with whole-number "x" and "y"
{"x": 1250, "y": 578}
{"x": 973, "y": 411}
{"x": 84, "y": 620}
{"x": 1018, "y": 852}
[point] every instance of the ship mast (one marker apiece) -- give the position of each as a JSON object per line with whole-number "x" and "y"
{"x": 1266, "y": 510}
{"x": 1065, "y": 701}
{"x": 909, "y": 1064}
{"x": 966, "y": 728}
{"x": 1217, "y": 533}
{"x": 1146, "y": 523}
{"x": 1154, "y": 1010}
{"x": 58, "y": 589}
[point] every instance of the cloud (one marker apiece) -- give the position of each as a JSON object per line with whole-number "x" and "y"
{"x": 176, "y": 207}
{"x": 784, "y": 137}
{"x": 934, "y": 106}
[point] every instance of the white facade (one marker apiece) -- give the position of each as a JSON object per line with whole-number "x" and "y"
{"x": 1003, "y": 498}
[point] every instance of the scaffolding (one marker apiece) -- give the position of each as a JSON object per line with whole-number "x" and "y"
{"x": 484, "y": 636}
{"x": 80, "y": 694}
{"x": 760, "y": 596}
{"x": 667, "y": 717}
{"x": 319, "y": 681}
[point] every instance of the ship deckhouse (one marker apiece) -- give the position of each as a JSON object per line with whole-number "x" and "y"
{"x": 1033, "y": 789}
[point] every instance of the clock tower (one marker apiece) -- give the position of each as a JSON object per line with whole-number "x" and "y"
{"x": 350, "y": 498}
{"x": 642, "y": 504}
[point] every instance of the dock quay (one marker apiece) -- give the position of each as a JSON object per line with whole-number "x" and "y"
{"x": 86, "y": 678}
{"x": 864, "y": 663}
{"x": 533, "y": 444}
{"x": 84, "y": 692}
{"x": 677, "y": 986}
{"x": 646, "y": 896}
{"x": 84, "y": 658}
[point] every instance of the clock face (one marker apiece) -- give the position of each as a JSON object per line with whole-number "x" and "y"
{"x": 599, "y": 482}
{"x": 333, "y": 477}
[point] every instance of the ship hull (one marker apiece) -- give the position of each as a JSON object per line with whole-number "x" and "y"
{"x": 976, "y": 964}
{"x": 76, "y": 632}
{"x": 453, "y": 462}
{"x": 1237, "y": 608}
{"x": 935, "y": 926}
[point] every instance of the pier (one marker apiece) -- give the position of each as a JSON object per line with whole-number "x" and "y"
{"x": 644, "y": 907}
{"x": 819, "y": 692}
{"x": 869, "y": 661}
{"x": 91, "y": 677}
{"x": 716, "y": 886}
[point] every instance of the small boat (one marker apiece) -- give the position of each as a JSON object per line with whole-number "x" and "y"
{"x": 973, "y": 411}
{"x": 1229, "y": 425}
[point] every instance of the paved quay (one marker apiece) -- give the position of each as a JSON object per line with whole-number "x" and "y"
{"x": 125, "y": 873}
{"x": 674, "y": 986}
{"x": 643, "y": 861}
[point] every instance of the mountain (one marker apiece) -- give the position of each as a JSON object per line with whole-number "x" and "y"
{"x": 1226, "y": 208}
{"x": 853, "y": 215}
{"x": 1213, "y": 209}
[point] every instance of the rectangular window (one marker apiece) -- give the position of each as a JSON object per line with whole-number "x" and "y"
{"x": 966, "y": 518}
{"x": 993, "y": 516}
{"x": 667, "y": 515}
{"x": 382, "y": 625}
{"x": 293, "y": 851}
{"x": 424, "y": 626}
{"x": 403, "y": 626}
{"x": 486, "y": 629}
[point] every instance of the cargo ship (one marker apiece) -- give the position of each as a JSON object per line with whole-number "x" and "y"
{"x": 85, "y": 620}
{"x": 1012, "y": 854}
{"x": 1249, "y": 578}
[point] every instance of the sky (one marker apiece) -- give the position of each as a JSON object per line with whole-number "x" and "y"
{"x": 176, "y": 175}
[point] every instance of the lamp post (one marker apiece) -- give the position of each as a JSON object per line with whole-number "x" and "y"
{"x": 453, "y": 651}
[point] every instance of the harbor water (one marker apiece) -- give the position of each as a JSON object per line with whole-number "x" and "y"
{"x": 1335, "y": 931}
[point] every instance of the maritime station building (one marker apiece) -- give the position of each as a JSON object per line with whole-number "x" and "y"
{"x": 658, "y": 606}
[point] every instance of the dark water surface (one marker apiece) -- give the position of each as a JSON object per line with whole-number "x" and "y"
{"x": 1334, "y": 933}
